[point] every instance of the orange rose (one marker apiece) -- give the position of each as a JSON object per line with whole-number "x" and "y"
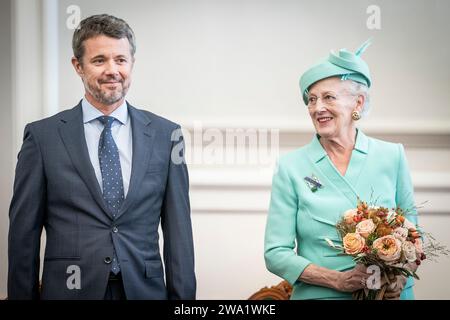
{"x": 353, "y": 243}
{"x": 400, "y": 219}
{"x": 388, "y": 248}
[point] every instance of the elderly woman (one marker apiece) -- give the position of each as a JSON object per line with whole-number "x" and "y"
{"x": 315, "y": 184}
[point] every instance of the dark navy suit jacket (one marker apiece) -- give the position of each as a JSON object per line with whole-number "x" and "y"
{"x": 56, "y": 188}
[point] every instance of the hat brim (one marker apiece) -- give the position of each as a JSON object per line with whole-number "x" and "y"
{"x": 326, "y": 70}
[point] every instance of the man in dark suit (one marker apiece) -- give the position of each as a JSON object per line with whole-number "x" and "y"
{"x": 100, "y": 178}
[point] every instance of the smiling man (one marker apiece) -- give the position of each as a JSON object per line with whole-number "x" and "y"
{"x": 101, "y": 178}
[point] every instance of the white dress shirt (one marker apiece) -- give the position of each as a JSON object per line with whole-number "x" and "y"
{"x": 122, "y": 135}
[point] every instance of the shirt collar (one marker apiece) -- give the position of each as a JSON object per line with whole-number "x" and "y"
{"x": 317, "y": 152}
{"x": 362, "y": 142}
{"x": 91, "y": 113}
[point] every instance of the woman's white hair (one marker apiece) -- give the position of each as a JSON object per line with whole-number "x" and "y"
{"x": 358, "y": 88}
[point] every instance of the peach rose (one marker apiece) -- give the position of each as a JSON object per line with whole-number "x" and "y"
{"x": 409, "y": 251}
{"x": 388, "y": 248}
{"x": 365, "y": 227}
{"x": 408, "y": 224}
{"x": 400, "y": 233}
{"x": 353, "y": 243}
{"x": 349, "y": 215}
{"x": 418, "y": 245}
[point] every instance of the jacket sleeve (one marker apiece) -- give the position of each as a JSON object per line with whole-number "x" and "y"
{"x": 280, "y": 234}
{"x": 405, "y": 195}
{"x": 26, "y": 217}
{"x": 405, "y": 192}
{"x": 176, "y": 226}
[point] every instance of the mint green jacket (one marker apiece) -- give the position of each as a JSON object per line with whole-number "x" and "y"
{"x": 299, "y": 219}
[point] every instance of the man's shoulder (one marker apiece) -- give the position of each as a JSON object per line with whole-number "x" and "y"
{"x": 52, "y": 121}
{"x": 68, "y": 114}
{"x": 155, "y": 118}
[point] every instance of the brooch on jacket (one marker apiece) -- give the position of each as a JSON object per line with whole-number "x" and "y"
{"x": 313, "y": 183}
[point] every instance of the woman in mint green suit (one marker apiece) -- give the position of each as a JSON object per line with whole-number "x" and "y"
{"x": 315, "y": 184}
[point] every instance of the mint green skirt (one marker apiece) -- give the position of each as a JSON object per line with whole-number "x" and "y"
{"x": 407, "y": 294}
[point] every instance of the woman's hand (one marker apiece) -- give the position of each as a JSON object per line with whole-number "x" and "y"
{"x": 352, "y": 280}
{"x": 394, "y": 289}
{"x": 412, "y": 266}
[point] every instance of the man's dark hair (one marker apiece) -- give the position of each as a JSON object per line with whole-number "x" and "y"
{"x": 101, "y": 24}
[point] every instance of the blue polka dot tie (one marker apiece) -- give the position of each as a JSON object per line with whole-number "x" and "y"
{"x": 108, "y": 155}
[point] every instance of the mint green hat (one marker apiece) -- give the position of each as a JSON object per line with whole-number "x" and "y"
{"x": 347, "y": 64}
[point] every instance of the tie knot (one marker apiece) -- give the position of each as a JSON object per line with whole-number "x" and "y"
{"x": 107, "y": 121}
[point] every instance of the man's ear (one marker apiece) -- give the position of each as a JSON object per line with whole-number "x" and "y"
{"x": 77, "y": 66}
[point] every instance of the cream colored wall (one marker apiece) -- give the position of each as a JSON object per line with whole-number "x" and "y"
{"x": 237, "y": 64}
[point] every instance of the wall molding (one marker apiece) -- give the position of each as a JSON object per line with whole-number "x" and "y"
{"x": 218, "y": 190}
{"x": 303, "y": 125}
{"x": 296, "y": 137}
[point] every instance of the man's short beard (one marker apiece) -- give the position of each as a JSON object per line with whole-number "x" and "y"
{"x": 103, "y": 98}
{"x": 107, "y": 99}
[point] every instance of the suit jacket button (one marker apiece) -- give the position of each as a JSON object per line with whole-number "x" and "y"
{"x": 108, "y": 260}
{"x": 115, "y": 230}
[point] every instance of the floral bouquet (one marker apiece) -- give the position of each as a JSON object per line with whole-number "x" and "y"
{"x": 387, "y": 242}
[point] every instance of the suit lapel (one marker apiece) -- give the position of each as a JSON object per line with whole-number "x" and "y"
{"x": 143, "y": 139}
{"x": 72, "y": 134}
{"x": 358, "y": 159}
{"x": 344, "y": 184}
{"x": 336, "y": 179}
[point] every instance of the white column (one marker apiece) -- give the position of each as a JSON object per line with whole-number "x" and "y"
{"x": 26, "y": 67}
{"x": 50, "y": 88}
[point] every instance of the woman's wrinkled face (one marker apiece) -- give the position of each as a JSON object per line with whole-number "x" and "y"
{"x": 330, "y": 105}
